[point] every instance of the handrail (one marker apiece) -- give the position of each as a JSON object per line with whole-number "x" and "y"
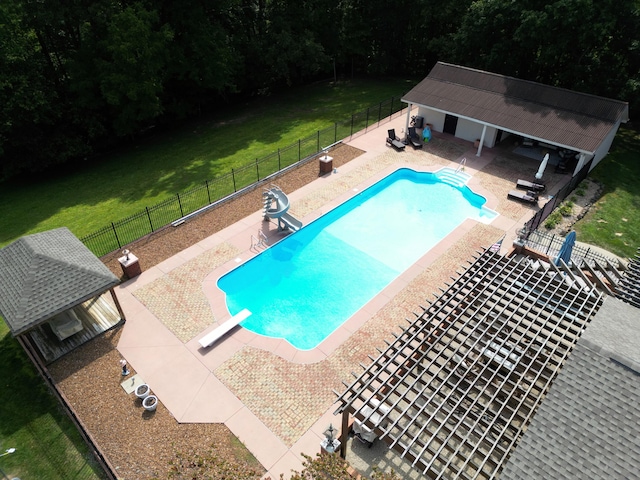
{"x": 462, "y": 164}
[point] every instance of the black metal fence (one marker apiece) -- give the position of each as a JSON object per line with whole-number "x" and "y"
{"x": 564, "y": 192}
{"x": 122, "y": 232}
{"x": 550, "y": 244}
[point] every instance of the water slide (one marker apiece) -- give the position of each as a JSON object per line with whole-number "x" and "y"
{"x": 276, "y": 205}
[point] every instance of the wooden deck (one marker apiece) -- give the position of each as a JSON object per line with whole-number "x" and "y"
{"x": 97, "y": 316}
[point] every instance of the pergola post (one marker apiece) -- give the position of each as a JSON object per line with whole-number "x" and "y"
{"x": 344, "y": 433}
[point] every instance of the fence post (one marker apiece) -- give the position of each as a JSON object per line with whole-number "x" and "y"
{"x": 115, "y": 232}
{"x": 299, "y": 150}
{"x": 233, "y": 177}
{"x": 206, "y": 182}
{"x": 180, "y": 204}
{"x": 366, "y": 123}
{"x": 279, "y": 167}
{"x": 379, "y": 112}
{"x": 258, "y": 169}
{"x": 351, "y": 126}
{"x": 318, "y": 147}
{"x": 335, "y": 132}
{"x": 149, "y": 217}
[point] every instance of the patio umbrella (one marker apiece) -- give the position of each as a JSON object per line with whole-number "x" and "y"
{"x": 543, "y": 165}
{"x": 566, "y": 248}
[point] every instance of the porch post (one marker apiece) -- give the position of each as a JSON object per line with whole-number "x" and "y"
{"x": 406, "y": 122}
{"x": 484, "y": 131}
{"x": 581, "y": 161}
{"x": 115, "y": 300}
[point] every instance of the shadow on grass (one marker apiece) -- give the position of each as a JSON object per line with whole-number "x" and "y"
{"x": 171, "y": 161}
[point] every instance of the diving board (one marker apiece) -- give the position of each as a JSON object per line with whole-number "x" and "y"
{"x": 210, "y": 338}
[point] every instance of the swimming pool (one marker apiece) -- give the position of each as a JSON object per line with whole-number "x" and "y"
{"x": 305, "y": 286}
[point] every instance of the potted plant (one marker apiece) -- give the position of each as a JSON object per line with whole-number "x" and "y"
{"x": 150, "y": 403}
{"x": 143, "y": 391}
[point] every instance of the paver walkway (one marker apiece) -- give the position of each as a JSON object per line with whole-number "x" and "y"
{"x": 277, "y": 400}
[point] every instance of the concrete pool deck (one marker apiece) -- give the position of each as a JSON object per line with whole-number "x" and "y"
{"x": 276, "y": 399}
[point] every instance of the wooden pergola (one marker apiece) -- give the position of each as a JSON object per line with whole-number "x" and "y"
{"x": 454, "y": 392}
{"x": 629, "y": 285}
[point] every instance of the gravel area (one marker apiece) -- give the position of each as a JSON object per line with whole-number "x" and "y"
{"x": 144, "y": 445}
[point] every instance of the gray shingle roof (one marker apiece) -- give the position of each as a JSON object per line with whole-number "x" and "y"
{"x": 46, "y": 273}
{"x": 564, "y": 117}
{"x": 588, "y": 426}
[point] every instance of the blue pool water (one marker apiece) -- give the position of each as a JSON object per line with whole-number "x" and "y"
{"x": 304, "y": 287}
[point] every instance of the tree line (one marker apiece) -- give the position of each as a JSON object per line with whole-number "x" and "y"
{"x": 78, "y": 76}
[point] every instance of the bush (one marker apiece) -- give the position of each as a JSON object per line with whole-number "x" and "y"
{"x": 553, "y": 220}
{"x": 566, "y": 209}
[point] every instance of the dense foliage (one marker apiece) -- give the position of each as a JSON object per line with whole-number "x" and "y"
{"x": 77, "y": 76}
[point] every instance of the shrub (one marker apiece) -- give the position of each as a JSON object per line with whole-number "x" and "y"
{"x": 553, "y": 220}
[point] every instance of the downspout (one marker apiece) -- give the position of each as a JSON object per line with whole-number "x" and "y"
{"x": 484, "y": 131}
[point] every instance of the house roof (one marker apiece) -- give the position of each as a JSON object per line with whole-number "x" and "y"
{"x": 589, "y": 424}
{"x": 47, "y": 273}
{"x": 571, "y": 119}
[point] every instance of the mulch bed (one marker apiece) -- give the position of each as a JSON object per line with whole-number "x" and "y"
{"x": 168, "y": 241}
{"x": 140, "y": 444}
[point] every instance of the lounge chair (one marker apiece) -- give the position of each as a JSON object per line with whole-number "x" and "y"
{"x": 394, "y": 141}
{"x": 413, "y": 138}
{"x": 534, "y": 187}
{"x": 527, "y": 197}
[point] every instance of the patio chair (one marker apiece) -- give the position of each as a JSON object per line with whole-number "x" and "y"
{"x": 364, "y": 433}
{"x": 394, "y": 141}
{"x": 527, "y": 197}
{"x": 414, "y": 138}
{"x": 534, "y": 187}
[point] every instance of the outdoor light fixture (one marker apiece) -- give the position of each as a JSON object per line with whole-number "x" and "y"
{"x": 330, "y": 443}
{"x": 126, "y": 253}
{"x": 329, "y": 433}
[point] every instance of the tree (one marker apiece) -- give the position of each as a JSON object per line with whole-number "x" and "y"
{"x": 332, "y": 467}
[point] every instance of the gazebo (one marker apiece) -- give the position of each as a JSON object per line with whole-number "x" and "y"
{"x": 51, "y": 293}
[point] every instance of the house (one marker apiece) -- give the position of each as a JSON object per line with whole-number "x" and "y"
{"x": 477, "y": 105}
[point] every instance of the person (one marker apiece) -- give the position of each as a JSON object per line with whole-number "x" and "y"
{"x": 123, "y": 364}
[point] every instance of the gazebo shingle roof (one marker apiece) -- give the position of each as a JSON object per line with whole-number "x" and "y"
{"x": 47, "y": 273}
{"x": 572, "y": 119}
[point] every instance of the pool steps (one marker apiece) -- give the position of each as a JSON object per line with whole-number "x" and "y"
{"x": 210, "y": 338}
{"x": 452, "y": 177}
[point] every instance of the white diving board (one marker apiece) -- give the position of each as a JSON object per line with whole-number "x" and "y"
{"x": 210, "y": 338}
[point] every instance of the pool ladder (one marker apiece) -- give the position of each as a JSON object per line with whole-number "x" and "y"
{"x": 259, "y": 241}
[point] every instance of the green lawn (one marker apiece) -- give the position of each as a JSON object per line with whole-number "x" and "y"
{"x": 167, "y": 163}
{"x": 31, "y": 421}
{"x": 613, "y": 223}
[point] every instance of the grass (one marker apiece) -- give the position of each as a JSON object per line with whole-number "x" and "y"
{"x": 125, "y": 182}
{"x": 31, "y": 421}
{"x": 613, "y": 223}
